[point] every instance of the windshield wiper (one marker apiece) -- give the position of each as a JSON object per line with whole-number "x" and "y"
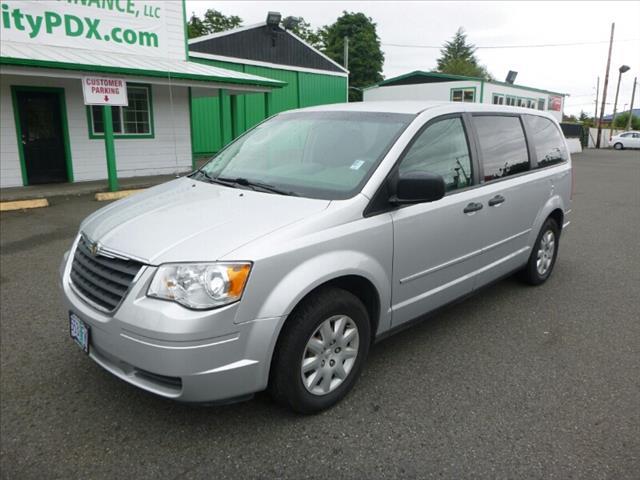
{"x": 211, "y": 179}
{"x": 251, "y": 184}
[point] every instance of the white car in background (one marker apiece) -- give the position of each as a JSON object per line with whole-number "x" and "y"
{"x": 626, "y": 140}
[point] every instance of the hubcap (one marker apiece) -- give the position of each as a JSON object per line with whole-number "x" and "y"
{"x": 329, "y": 355}
{"x": 545, "y": 252}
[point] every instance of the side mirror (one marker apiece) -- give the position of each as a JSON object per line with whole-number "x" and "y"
{"x": 418, "y": 187}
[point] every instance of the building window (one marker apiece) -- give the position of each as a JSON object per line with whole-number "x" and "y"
{"x": 498, "y": 99}
{"x": 541, "y": 104}
{"x": 511, "y": 101}
{"x": 463, "y": 94}
{"x": 134, "y": 120}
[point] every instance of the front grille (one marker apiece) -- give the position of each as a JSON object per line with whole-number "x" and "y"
{"x": 102, "y": 280}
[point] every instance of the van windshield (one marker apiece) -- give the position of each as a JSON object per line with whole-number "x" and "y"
{"x": 328, "y": 155}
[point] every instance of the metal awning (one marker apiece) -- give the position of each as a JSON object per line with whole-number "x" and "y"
{"x": 77, "y": 59}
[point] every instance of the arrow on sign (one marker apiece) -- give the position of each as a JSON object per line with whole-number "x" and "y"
{"x": 106, "y": 98}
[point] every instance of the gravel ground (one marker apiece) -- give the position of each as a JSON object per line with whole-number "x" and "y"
{"x": 515, "y": 382}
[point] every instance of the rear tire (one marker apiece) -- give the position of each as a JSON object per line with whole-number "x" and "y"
{"x": 618, "y": 146}
{"x": 543, "y": 256}
{"x": 321, "y": 351}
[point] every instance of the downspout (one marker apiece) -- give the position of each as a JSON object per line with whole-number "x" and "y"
{"x": 481, "y": 91}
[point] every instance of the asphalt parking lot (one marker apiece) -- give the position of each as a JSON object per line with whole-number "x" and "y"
{"x": 516, "y": 382}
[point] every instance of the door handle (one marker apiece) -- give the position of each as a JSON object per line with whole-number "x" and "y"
{"x": 497, "y": 200}
{"x": 472, "y": 207}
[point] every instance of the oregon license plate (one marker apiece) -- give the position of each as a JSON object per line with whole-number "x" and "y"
{"x": 79, "y": 332}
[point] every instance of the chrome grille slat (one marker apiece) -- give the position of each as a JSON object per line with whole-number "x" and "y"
{"x": 94, "y": 294}
{"x": 99, "y": 270}
{"x": 98, "y": 282}
{"x": 128, "y": 267}
{"x": 102, "y": 280}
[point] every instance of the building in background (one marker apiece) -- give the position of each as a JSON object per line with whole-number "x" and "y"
{"x": 269, "y": 51}
{"x": 48, "y": 135}
{"x": 421, "y": 85}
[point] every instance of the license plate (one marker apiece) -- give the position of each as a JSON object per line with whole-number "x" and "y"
{"x": 79, "y": 332}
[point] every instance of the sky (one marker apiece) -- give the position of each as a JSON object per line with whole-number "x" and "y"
{"x": 571, "y": 69}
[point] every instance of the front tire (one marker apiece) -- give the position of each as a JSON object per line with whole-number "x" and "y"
{"x": 321, "y": 351}
{"x": 544, "y": 253}
{"x": 618, "y": 146}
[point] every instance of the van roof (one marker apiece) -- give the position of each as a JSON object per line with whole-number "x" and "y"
{"x": 415, "y": 107}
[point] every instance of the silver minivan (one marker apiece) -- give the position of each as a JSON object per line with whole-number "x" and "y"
{"x": 319, "y": 231}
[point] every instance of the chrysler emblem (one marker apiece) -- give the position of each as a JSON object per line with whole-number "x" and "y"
{"x": 94, "y": 248}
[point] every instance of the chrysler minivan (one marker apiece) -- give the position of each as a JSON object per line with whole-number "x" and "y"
{"x": 279, "y": 262}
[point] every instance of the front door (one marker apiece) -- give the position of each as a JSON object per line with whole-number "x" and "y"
{"x": 437, "y": 245}
{"x": 41, "y": 135}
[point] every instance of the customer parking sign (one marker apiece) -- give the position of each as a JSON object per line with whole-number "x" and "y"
{"x": 100, "y": 90}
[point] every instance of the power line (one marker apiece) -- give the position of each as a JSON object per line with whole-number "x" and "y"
{"x": 486, "y": 47}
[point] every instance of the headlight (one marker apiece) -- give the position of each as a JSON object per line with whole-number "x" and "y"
{"x": 200, "y": 285}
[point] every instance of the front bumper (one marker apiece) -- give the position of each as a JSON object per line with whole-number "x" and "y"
{"x": 164, "y": 348}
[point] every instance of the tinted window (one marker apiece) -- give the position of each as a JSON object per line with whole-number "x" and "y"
{"x": 547, "y": 140}
{"x": 503, "y": 147}
{"x": 441, "y": 149}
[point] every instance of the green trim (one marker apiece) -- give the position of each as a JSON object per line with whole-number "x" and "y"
{"x": 267, "y": 104}
{"x": 26, "y": 62}
{"x": 462, "y": 88}
{"x": 110, "y": 149}
{"x": 481, "y": 91}
{"x": 447, "y": 76}
{"x": 126, "y": 136}
{"x": 235, "y": 129}
{"x": 16, "y": 117}
{"x": 63, "y": 118}
{"x": 421, "y": 73}
{"x": 193, "y": 158}
{"x": 186, "y": 33}
{"x": 221, "y": 95}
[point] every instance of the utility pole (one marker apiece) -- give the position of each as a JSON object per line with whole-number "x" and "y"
{"x": 633, "y": 95}
{"x": 595, "y": 115}
{"x": 346, "y": 53}
{"x": 604, "y": 89}
{"x": 621, "y": 70}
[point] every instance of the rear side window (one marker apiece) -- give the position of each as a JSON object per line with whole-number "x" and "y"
{"x": 441, "y": 149}
{"x": 503, "y": 146}
{"x": 547, "y": 140}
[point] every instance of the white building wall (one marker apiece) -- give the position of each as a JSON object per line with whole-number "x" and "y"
{"x": 168, "y": 152}
{"x": 440, "y": 91}
{"x": 10, "y": 174}
{"x": 491, "y": 88}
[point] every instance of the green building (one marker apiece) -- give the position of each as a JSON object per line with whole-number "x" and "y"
{"x": 268, "y": 51}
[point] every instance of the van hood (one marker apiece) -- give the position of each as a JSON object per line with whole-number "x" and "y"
{"x": 187, "y": 220}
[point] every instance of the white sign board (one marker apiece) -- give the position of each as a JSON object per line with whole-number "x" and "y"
{"x": 100, "y": 90}
{"x": 134, "y": 27}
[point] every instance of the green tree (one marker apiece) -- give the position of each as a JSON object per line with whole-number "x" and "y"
{"x": 623, "y": 118}
{"x": 305, "y": 32}
{"x": 457, "y": 57}
{"x": 585, "y": 119}
{"x": 195, "y": 27}
{"x": 365, "y": 55}
{"x": 213, "y": 21}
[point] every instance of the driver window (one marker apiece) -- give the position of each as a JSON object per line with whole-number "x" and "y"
{"x": 441, "y": 149}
